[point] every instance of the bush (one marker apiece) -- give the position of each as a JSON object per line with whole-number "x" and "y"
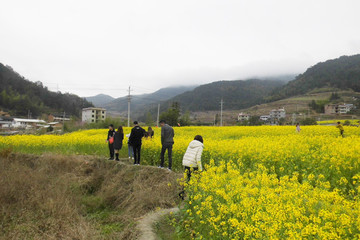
{"x": 308, "y": 121}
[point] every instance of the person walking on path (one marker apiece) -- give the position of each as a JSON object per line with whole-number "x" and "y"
{"x": 137, "y": 133}
{"x": 192, "y": 156}
{"x": 110, "y": 141}
{"x": 298, "y": 129}
{"x": 167, "y": 142}
{"x": 118, "y": 141}
{"x": 341, "y": 128}
{"x": 130, "y": 148}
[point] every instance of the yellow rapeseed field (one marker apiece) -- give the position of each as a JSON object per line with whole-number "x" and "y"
{"x": 266, "y": 182}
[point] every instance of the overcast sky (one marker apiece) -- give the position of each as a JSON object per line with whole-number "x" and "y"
{"x": 89, "y": 47}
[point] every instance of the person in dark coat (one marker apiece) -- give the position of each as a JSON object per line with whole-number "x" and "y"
{"x": 111, "y": 134}
{"x": 137, "y": 133}
{"x": 118, "y": 141}
{"x": 167, "y": 142}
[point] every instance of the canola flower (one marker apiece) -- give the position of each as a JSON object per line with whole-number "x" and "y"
{"x": 264, "y": 182}
{"x": 351, "y": 121}
{"x": 225, "y": 203}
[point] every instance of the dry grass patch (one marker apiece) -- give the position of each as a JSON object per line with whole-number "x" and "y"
{"x": 76, "y": 197}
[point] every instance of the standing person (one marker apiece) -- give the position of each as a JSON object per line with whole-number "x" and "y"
{"x": 298, "y": 129}
{"x": 192, "y": 159}
{"x": 192, "y": 156}
{"x": 110, "y": 141}
{"x": 118, "y": 141}
{"x": 167, "y": 141}
{"x": 137, "y": 133}
{"x": 130, "y": 148}
{"x": 341, "y": 128}
{"x": 150, "y": 132}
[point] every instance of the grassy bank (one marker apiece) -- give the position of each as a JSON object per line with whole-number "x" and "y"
{"x": 77, "y": 197}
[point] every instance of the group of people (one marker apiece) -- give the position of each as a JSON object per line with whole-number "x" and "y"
{"x": 191, "y": 159}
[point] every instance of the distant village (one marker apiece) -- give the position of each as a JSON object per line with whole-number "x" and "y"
{"x": 93, "y": 115}
{"x": 54, "y": 121}
{"x": 276, "y": 115}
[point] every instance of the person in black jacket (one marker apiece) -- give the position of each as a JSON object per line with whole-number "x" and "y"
{"x": 137, "y": 133}
{"x": 118, "y": 141}
{"x": 111, "y": 134}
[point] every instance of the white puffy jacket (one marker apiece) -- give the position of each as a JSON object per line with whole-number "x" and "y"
{"x": 192, "y": 156}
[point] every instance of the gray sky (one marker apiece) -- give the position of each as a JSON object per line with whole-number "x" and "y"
{"x": 88, "y": 47}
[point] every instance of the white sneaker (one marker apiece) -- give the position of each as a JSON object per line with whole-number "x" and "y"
{"x": 169, "y": 170}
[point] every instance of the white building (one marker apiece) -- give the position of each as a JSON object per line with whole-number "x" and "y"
{"x": 345, "y": 108}
{"x": 92, "y": 114}
{"x": 5, "y": 122}
{"x": 243, "y": 117}
{"x": 27, "y": 123}
{"x": 277, "y": 113}
{"x": 338, "y": 108}
{"x": 265, "y": 117}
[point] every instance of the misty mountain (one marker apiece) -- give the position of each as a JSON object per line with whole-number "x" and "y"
{"x": 235, "y": 94}
{"x": 20, "y": 96}
{"x": 100, "y": 100}
{"x": 140, "y": 102}
{"x": 342, "y": 73}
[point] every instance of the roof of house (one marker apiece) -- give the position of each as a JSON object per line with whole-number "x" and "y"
{"x": 94, "y": 108}
{"x": 29, "y": 120}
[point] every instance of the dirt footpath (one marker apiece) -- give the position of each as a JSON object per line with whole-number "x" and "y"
{"x": 146, "y": 223}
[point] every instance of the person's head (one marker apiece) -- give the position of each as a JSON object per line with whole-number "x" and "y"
{"x": 136, "y": 123}
{"x": 149, "y": 129}
{"x": 199, "y": 138}
{"x": 111, "y": 127}
{"x": 120, "y": 129}
{"x": 297, "y": 124}
{"x": 162, "y": 122}
{"x": 339, "y": 122}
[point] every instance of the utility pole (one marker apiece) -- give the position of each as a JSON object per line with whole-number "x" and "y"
{"x": 63, "y": 122}
{"x": 129, "y": 100}
{"x": 221, "y": 112}
{"x": 158, "y": 115}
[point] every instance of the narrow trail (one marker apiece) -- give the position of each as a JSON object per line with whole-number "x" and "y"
{"x": 146, "y": 223}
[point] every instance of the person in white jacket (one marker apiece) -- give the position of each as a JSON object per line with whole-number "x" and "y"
{"x": 192, "y": 156}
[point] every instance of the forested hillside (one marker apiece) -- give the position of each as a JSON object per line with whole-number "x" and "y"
{"x": 140, "y": 102}
{"x": 100, "y": 100}
{"x": 235, "y": 94}
{"x": 20, "y": 96}
{"x": 342, "y": 73}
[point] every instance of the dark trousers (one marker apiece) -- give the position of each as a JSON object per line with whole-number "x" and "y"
{"x": 137, "y": 150}
{"x": 342, "y": 133}
{"x": 111, "y": 148}
{"x": 162, "y": 155}
{"x": 188, "y": 171}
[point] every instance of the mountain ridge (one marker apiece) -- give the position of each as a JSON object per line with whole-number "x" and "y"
{"x": 22, "y": 97}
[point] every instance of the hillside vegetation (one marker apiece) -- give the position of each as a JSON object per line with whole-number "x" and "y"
{"x": 139, "y": 103}
{"x": 19, "y": 96}
{"x": 235, "y": 94}
{"x": 342, "y": 73}
{"x": 100, "y": 100}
